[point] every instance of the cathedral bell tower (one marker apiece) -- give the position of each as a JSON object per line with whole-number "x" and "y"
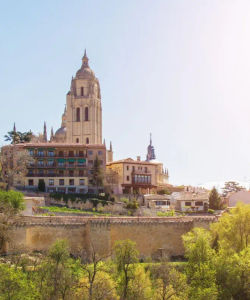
{"x": 83, "y": 115}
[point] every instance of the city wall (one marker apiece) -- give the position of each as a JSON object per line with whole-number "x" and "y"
{"x": 152, "y": 235}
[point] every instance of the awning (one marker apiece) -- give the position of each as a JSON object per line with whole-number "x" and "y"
{"x": 81, "y": 160}
{"x": 71, "y": 160}
{"x": 61, "y": 160}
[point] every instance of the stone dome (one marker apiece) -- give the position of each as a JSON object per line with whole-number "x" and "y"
{"x": 60, "y": 134}
{"x": 85, "y": 73}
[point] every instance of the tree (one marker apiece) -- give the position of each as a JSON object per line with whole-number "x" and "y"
{"x": 214, "y": 199}
{"x": 200, "y": 268}
{"x": 97, "y": 176}
{"x": 169, "y": 283}
{"x": 14, "y": 165}
{"x": 57, "y": 277}
{"x": 139, "y": 288}
{"x": 233, "y": 229}
{"x": 92, "y": 265}
{"x": 126, "y": 255}
{"x": 11, "y": 203}
{"x": 231, "y": 186}
{"x": 16, "y": 137}
{"x": 41, "y": 185}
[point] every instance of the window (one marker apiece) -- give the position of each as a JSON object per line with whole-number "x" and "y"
{"x": 31, "y": 152}
{"x": 61, "y": 164}
{"x": 81, "y": 173}
{"x": 71, "y": 172}
{"x": 146, "y": 169}
{"x": 99, "y": 152}
{"x": 82, "y": 91}
{"x": 86, "y": 114}
{"x": 78, "y": 112}
{"x": 133, "y": 168}
{"x": 87, "y": 140}
{"x": 40, "y": 163}
{"x": 187, "y": 203}
{"x": 127, "y": 168}
{"x": 90, "y": 152}
{"x": 61, "y": 181}
{"x": 60, "y": 153}
{"x": 61, "y": 172}
{"x": 40, "y": 153}
{"x": 51, "y": 182}
{"x": 40, "y": 172}
{"x": 51, "y": 153}
{"x": 51, "y": 172}
{"x": 81, "y": 182}
{"x": 77, "y": 140}
{"x": 81, "y": 153}
{"x": 30, "y": 172}
{"x": 127, "y": 178}
{"x": 31, "y": 182}
{"x": 50, "y": 163}
{"x": 198, "y": 203}
{"x": 71, "y": 182}
{"x": 71, "y": 153}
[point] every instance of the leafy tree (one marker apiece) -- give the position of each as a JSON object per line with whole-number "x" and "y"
{"x": 168, "y": 282}
{"x": 16, "y": 137}
{"x": 214, "y": 199}
{"x": 126, "y": 255}
{"x": 41, "y": 185}
{"x": 97, "y": 176}
{"x": 200, "y": 268}
{"x": 11, "y": 203}
{"x": 14, "y": 285}
{"x": 232, "y": 186}
{"x": 139, "y": 288}
{"x": 233, "y": 229}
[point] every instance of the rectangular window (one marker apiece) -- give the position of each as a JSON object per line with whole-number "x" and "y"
{"x": 31, "y": 152}
{"x": 51, "y": 153}
{"x": 81, "y": 172}
{"x": 99, "y": 152}
{"x": 61, "y": 181}
{"x": 127, "y": 168}
{"x": 61, "y": 164}
{"x": 187, "y": 203}
{"x": 51, "y": 182}
{"x": 40, "y": 163}
{"x": 31, "y": 182}
{"x": 71, "y": 173}
{"x": 133, "y": 168}
{"x": 146, "y": 169}
{"x": 198, "y": 203}
{"x": 40, "y": 153}
{"x": 50, "y": 163}
{"x": 71, "y": 182}
{"x": 40, "y": 172}
{"x": 90, "y": 152}
{"x": 81, "y": 182}
{"x": 61, "y": 172}
{"x": 81, "y": 153}
{"x": 127, "y": 178}
{"x": 71, "y": 153}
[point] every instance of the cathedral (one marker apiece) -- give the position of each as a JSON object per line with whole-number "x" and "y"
{"x": 64, "y": 162}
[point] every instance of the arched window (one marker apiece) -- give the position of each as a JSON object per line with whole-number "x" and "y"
{"x": 78, "y": 114}
{"x": 82, "y": 91}
{"x": 86, "y": 113}
{"x": 87, "y": 140}
{"x": 77, "y": 140}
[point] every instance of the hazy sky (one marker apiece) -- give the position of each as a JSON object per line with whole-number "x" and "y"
{"x": 178, "y": 69}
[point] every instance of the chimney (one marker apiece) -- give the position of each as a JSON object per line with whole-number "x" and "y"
{"x": 138, "y": 158}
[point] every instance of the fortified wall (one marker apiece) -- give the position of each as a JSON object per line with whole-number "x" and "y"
{"x": 152, "y": 235}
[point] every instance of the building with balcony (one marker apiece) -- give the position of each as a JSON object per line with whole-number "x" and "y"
{"x": 65, "y": 168}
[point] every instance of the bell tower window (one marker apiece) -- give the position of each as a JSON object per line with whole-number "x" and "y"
{"x": 78, "y": 114}
{"x": 82, "y": 91}
{"x": 87, "y": 140}
{"x": 77, "y": 140}
{"x": 86, "y": 113}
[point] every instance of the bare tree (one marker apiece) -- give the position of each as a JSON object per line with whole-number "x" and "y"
{"x": 14, "y": 162}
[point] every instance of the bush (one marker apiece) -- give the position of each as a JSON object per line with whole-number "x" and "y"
{"x": 210, "y": 211}
{"x": 170, "y": 213}
{"x": 132, "y": 205}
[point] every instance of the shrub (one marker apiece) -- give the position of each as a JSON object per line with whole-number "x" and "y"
{"x": 210, "y": 211}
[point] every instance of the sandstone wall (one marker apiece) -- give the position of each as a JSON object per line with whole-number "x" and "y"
{"x": 150, "y": 234}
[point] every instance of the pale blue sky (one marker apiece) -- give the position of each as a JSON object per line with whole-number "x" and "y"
{"x": 178, "y": 69}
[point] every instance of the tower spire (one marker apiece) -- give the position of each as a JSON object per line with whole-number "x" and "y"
{"x": 45, "y": 132}
{"x": 85, "y": 60}
{"x": 104, "y": 142}
{"x": 14, "y": 127}
{"x": 110, "y": 147}
{"x": 51, "y": 134}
